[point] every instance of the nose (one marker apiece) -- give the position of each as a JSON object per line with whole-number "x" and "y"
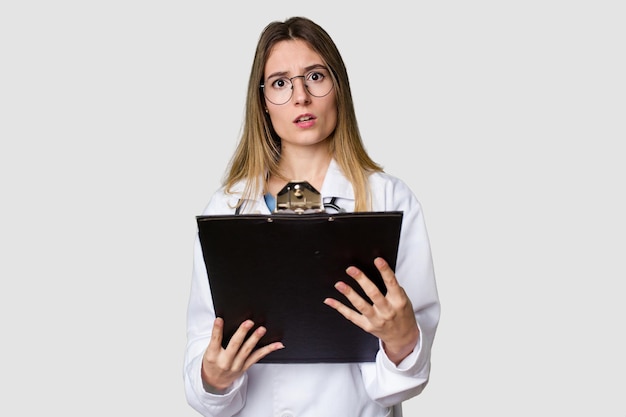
{"x": 300, "y": 93}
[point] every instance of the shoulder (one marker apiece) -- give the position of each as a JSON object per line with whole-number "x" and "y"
{"x": 225, "y": 201}
{"x": 382, "y": 182}
{"x": 222, "y": 201}
{"x": 391, "y": 193}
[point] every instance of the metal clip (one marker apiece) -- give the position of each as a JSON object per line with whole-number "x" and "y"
{"x": 299, "y": 197}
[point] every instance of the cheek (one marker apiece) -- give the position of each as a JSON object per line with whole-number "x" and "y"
{"x": 279, "y": 122}
{"x": 332, "y": 116}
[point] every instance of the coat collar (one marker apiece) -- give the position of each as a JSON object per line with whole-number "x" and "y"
{"x": 335, "y": 185}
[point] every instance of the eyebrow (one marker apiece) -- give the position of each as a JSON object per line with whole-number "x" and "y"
{"x": 306, "y": 69}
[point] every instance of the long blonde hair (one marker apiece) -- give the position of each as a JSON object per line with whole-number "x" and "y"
{"x": 258, "y": 151}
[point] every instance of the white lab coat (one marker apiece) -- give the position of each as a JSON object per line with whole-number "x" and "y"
{"x": 373, "y": 389}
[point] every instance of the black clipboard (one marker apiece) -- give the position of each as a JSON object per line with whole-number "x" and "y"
{"x": 277, "y": 269}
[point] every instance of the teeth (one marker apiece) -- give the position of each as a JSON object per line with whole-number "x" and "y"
{"x": 304, "y": 119}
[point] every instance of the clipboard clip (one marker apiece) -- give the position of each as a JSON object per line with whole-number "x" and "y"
{"x": 299, "y": 197}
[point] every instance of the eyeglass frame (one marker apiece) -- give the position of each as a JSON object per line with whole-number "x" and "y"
{"x": 303, "y": 76}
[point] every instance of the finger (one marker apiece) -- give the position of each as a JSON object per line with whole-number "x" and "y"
{"x": 215, "y": 344}
{"x": 395, "y": 293}
{"x": 247, "y": 347}
{"x": 354, "y": 297}
{"x": 389, "y": 276}
{"x": 370, "y": 289}
{"x": 260, "y": 353}
{"x": 235, "y": 342}
{"x": 356, "y": 318}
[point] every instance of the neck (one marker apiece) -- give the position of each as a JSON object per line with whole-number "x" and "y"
{"x": 300, "y": 167}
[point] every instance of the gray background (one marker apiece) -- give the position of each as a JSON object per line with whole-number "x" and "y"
{"x": 117, "y": 120}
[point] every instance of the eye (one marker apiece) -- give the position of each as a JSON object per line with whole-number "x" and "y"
{"x": 315, "y": 76}
{"x": 280, "y": 83}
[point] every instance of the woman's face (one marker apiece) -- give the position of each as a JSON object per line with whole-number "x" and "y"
{"x": 304, "y": 120}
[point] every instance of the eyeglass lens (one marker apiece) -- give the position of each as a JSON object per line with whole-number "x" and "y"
{"x": 279, "y": 90}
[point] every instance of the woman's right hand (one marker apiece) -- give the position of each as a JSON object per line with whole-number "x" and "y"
{"x": 221, "y": 367}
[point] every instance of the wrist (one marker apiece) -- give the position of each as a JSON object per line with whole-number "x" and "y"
{"x": 399, "y": 350}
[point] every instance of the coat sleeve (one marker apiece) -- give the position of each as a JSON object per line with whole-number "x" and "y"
{"x": 200, "y": 318}
{"x": 385, "y": 382}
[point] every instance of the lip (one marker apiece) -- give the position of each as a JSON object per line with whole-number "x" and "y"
{"x": 305, "y": 119}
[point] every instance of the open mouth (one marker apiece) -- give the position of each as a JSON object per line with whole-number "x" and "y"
{"x": 304, "y": 118}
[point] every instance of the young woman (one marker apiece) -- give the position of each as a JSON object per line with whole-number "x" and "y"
{"x": 300, "y": 124}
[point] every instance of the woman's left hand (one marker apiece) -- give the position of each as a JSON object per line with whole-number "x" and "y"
{"x": 390, "y": 317}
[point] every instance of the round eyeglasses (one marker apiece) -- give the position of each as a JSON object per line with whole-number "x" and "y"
{"x": 279, "y": 89}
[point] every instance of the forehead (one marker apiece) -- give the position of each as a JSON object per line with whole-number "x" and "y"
{"x": 291, "y": 56}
